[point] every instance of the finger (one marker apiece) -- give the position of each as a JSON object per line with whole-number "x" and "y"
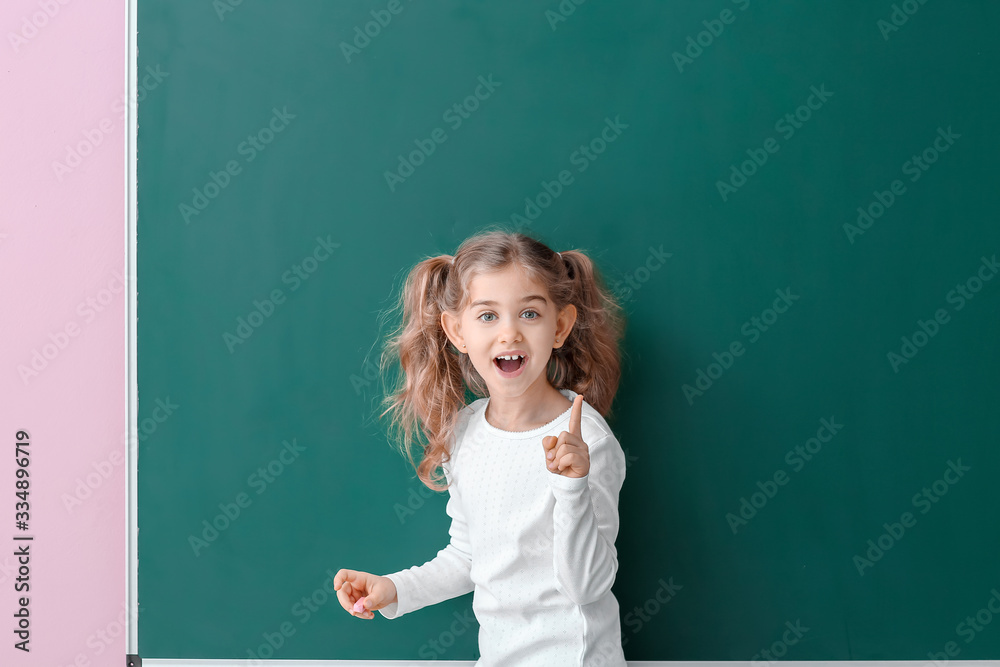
{"x": 565, "y": 437}
{"x": 551, "y": 443}
{"x": 574, "y": 447}
{"x": 568, "y": 462}
{"x": 348, "y": 596}
{"x": 360, "y": 610}
{"x": 558, "y": 454}
{"x": 576, "y": 415}
{"x": 353, "y": 592}
{"x": 345, "y": 575}
{"x": 345, "y": 598}
{"x": 367, "y": 613}
{"x": 567, "y": 448}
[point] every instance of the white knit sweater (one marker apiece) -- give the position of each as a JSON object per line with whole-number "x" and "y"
{"x": 537, "y": 548}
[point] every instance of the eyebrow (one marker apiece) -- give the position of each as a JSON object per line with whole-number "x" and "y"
{"x": 530, "y": 297}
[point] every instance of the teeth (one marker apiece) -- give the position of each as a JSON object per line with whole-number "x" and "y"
{"x": 511, "y": 356}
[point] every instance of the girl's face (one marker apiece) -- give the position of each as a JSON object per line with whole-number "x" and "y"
{"x": 508, "y": 314}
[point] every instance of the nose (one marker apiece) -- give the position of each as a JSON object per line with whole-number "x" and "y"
{"x": 509, "y": 333}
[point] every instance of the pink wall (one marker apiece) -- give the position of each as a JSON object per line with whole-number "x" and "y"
{"x": 64, "y": 372}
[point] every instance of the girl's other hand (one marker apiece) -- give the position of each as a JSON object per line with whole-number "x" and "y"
{"x": 352, "y": 585}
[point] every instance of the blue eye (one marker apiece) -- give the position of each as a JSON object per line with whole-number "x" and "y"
{"x": 525, "y": 312}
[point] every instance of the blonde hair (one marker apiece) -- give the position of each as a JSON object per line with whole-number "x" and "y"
{"x": 431, "y": 389}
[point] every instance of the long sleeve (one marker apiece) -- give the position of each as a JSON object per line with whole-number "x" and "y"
{"x": 585, "y": 524}
{"x": 445, "y": 576}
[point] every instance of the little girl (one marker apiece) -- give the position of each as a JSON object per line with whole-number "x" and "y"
{"x": 533, "y": 471}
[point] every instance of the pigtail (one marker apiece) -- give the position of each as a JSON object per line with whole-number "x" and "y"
{"x": 429, "y": 392}
{"x": 590, "y": 362}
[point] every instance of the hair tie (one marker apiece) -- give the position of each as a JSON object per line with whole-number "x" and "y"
{"x": 560, "y": 254}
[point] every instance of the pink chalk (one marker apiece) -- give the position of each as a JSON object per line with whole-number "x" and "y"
{"x": 359, "y": 606}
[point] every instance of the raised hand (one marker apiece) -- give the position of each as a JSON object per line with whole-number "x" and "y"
{"x": 567, "y": 454}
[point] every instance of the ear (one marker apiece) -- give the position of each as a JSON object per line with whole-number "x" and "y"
{"x": 452, "y": 328}
{"x": 564, "y": 323}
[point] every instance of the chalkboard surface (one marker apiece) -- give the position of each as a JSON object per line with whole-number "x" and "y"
{"x": 795, "y": 202}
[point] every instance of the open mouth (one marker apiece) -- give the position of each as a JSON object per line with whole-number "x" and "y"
{"x": 509, "y": 367}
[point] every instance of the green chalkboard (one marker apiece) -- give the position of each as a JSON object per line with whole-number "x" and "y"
{"x": 795, "y": 202}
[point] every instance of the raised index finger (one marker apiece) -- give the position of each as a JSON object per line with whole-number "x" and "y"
{"x": 576, "y": 415}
